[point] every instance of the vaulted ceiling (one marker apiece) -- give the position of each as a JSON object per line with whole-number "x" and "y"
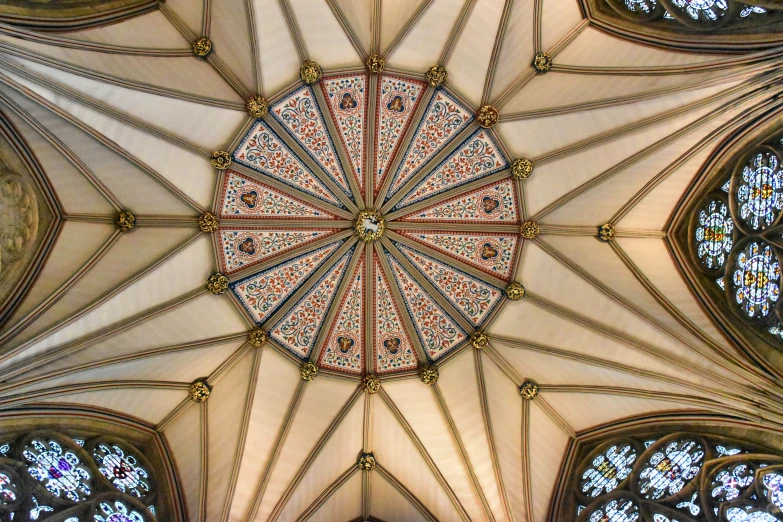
{"x": 125, "y": 117}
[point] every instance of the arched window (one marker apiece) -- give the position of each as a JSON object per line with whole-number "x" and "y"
{"x": 735, "y": 237}
{"x": 692, "y": 25}
{"x": 664, "y": 476}
{"x": 58, "y": 477}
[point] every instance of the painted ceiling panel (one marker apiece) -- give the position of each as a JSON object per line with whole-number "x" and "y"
{"x": 394, "y": 451}
{"x": 183, "y": 436}
{"x": 517, "y": 47}
{"x": 558, "y": 18}
{"x": 505, "y": 409}
{"x": 391, "y": 505}
{"x": 421, "y": 48}
{"x": 277, "y": 381}
{"x": 177, "y": 117}
{"x": 150, "y": 30}
{"x": 406, "y": 284}
{"x": 226, "y": 408}
{"x": 604, "y": 264}
{"x": 133, "y": 187}
{"x": 326, "y": 43}
{"x": 230, "y": 34}
{"x": 322, "y": 400}
{"x": 187, "y": 74}
{"x": 331, "y": 462}
{"x": 279, "y": 59}
{"x": 153, "y": 290}
{"x": 435, "y": 434}
{"x": 344, "y": 504}
{"x": 547, "y": 445}
{"x": 468, "y": 63}
{"x": 77, "y": 243}
{"x": 128, "y": 255}
{"x": 458, "y": 383}
{"x": 74, "y": 192}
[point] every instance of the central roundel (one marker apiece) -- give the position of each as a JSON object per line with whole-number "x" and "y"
{"x": 315, "y": 183}
{"x": 369, "y": 225}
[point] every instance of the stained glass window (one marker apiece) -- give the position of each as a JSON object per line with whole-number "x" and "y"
{"x": 122, "y": 469}
{"x": 48, "y": 475}
{"x": 713, "y": 234}
{"x": 755, "y": 279}
{"x": 700, "y": 14}
{"x": 758, "y": 190}
{"x": 681, "y": 477}
{"x": 58, "y": 468}
{"x": 735, "y": 237}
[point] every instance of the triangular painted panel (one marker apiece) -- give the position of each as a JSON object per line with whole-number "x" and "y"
{"x": 477, "y": 157}
{"x": 299, "y": 114}
{"x": 261, "y": 294}
{"x": 474, "y": 298}
{"x": 244, "y": 197}
{"x": 442, "y": 121}
{"x": 347, "y": 99}
{"x": 438, "y": 332}
{"x": 393, "y": 349}
{"x": 397, "y": 101}
{"x": 492, "y": 253}
{"x": 262, "y": 150}
{"x": 244, "y": 247}
{"x": 494, "y": 203}
{"x": 344, "y": 348}
{"x": 298, "y": 329}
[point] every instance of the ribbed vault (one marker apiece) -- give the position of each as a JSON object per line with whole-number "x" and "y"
{"x": 133, "y": 116}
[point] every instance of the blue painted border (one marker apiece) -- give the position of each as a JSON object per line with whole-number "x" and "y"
{"x": 304, "y": 147}
{"x": 281, "y": 180}
{"x": 402, "y": 249}
{"x": 328, "y": 306}
{"x": 281, "y": 303}
{"x": 418, "y": 127}
{"x": 393, "y": 261}
{"x": 452, "y": 155}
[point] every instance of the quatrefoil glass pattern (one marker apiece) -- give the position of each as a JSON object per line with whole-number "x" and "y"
{"x": 122, "y": 469}
{"x": 303, "y": 174}
{"x": 58, "y": 468}
{"x": 48, "y": 475}
{"x": 735, "y": 236}
{"x": 680, "y": 477}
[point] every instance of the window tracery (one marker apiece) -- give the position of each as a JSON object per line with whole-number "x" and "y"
{"x": 735, "y": 237}
{"x": 678, "y": 477}
{"x": 57, "y": 477}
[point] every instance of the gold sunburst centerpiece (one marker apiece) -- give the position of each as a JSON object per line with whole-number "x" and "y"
{"x": 369, "y": 225}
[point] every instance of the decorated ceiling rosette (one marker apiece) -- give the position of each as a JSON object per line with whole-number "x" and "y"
{"x": 369, "y": 234}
